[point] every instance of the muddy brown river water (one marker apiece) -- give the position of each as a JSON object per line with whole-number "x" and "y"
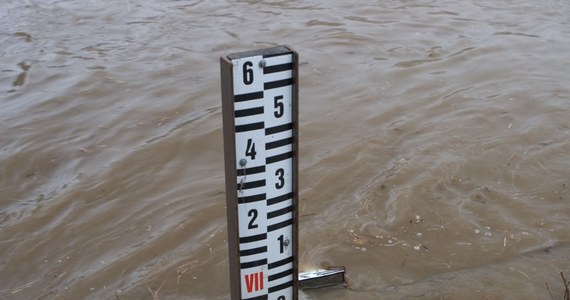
{"x": 434, "y": 143}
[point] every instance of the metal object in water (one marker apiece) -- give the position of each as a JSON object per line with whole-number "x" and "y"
{"x": 332, "y": 276}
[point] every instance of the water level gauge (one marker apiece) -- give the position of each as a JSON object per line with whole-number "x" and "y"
{"x": 260, "y": 108}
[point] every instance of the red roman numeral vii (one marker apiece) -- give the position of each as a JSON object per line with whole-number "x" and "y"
{"x": 254, "y": 282}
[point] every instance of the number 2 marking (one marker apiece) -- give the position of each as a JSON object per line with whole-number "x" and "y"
{"x": 253, "y": 214}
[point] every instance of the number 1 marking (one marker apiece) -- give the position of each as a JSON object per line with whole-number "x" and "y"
{"x": 281, "y": 243}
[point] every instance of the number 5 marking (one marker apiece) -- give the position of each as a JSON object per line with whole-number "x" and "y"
{"x": 279, "y": 106}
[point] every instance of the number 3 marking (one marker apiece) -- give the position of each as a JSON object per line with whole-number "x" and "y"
{"x": 280, "y": 173}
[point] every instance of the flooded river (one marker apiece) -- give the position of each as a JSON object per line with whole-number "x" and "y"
{"x": 434, "y": 145}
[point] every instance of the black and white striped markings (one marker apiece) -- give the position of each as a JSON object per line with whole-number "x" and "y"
{"x": 264, "y": 143}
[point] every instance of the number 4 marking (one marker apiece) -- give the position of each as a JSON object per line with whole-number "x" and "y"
{"x": 250, "y": 149}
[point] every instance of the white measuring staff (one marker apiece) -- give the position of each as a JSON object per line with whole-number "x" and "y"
{"x": 259, "y": 100}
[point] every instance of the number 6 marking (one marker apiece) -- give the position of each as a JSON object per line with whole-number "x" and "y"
{"x": 247, "y": 72}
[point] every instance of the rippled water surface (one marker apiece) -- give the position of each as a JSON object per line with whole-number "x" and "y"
{"x": 434, "y": 141}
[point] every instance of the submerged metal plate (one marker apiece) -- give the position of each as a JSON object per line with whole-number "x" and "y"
{"x": 332, "y": 276}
